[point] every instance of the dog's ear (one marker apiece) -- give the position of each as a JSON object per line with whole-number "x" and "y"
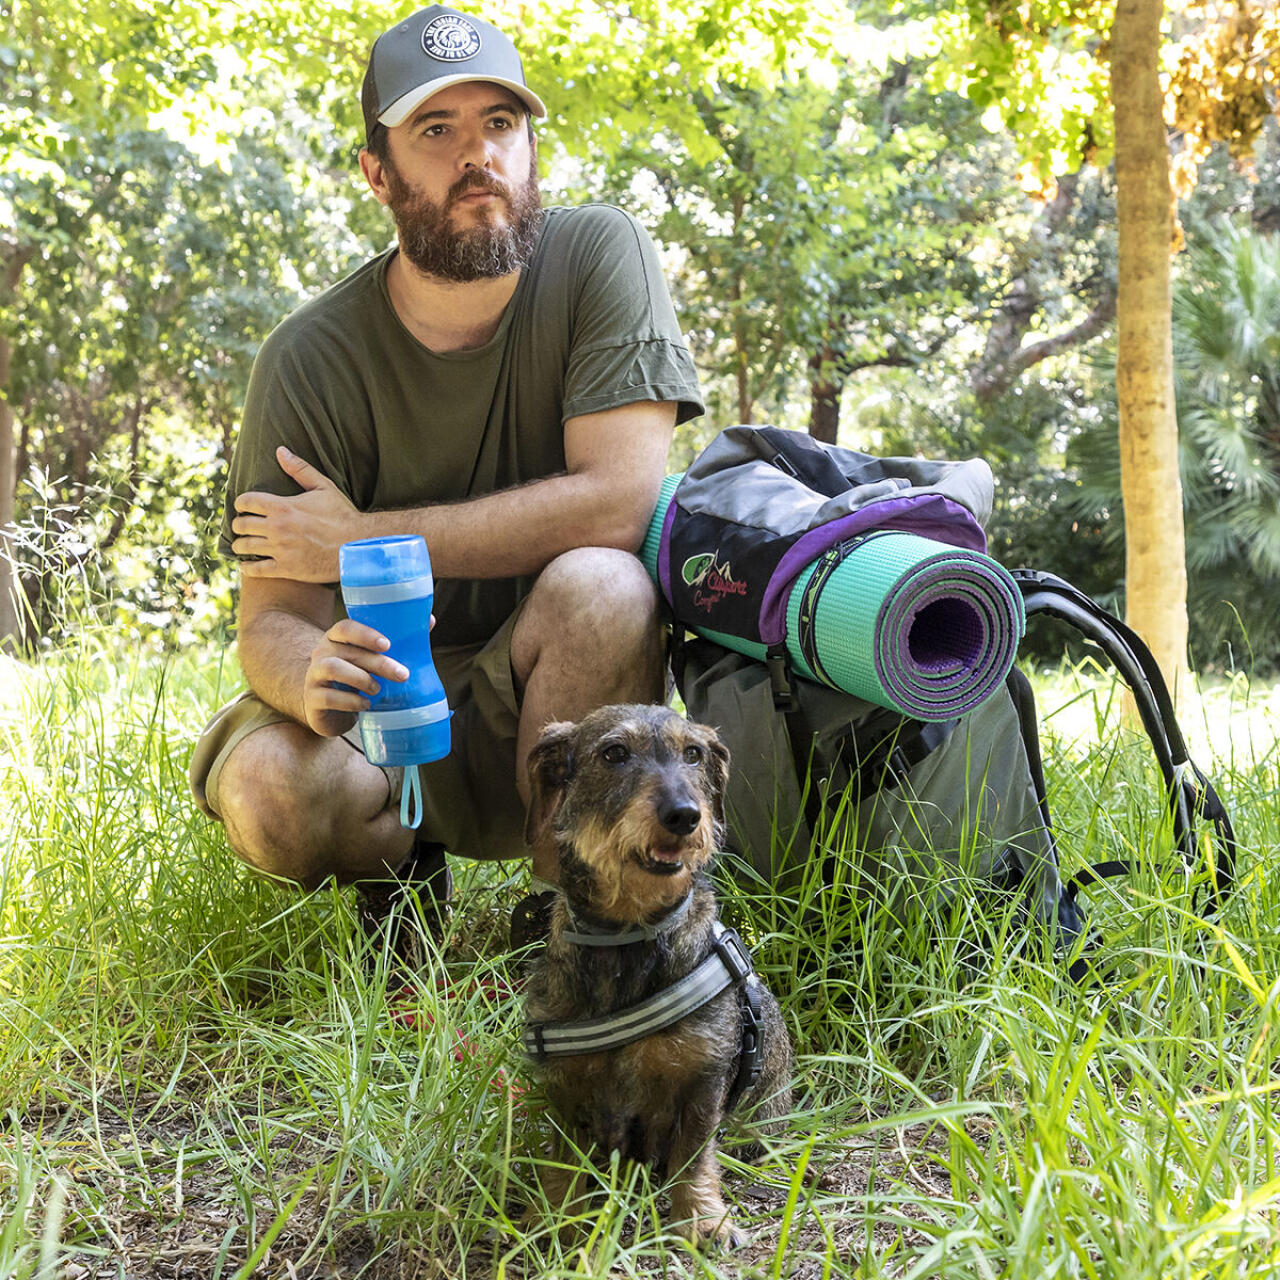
{"x": 717, "y": 770}
{"x": 550, "y": 764}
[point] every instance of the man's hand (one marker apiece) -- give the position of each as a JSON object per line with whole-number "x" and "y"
{"x": 296, "y": 537}
{"x": 350, "y": 655}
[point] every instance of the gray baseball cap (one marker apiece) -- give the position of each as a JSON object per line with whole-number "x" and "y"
{"x": 430, "y": 51}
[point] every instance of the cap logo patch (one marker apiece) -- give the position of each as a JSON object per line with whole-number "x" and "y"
{"x": 451, "y": 38}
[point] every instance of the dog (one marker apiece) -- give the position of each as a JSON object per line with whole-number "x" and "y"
{"x": 634, "y": 797}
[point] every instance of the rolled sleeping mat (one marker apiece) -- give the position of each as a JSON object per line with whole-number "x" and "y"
{"x": 905, "y": 622}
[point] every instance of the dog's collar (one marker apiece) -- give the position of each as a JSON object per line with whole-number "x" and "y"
{"x": 582, "y": 934}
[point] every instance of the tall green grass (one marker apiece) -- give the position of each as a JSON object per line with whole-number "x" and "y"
{"x": 206, "y": 1074}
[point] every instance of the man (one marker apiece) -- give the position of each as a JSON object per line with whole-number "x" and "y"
{"x": 504, "y": 383}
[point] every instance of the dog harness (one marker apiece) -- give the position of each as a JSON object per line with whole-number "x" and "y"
{"x": 728, "y": 964}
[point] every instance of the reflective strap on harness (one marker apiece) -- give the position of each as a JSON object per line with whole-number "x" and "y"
{"x": 728, "y": 964}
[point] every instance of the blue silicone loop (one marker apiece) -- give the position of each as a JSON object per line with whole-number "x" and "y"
{"x": 411, "y": 798}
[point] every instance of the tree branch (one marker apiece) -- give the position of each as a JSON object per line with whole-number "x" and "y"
{"x": 989, "y": 382}
{"x": 1023, "y": 298}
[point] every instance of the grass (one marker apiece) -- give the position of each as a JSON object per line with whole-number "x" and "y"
{"x": 204, "y": 1074}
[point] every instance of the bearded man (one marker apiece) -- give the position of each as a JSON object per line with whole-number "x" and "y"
{"x": 503, "y": 382}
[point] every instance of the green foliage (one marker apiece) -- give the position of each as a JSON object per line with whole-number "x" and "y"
{"x": 837, "y": 225}
{"x": 831, "y": 223}
{"x": 646, "y": 68}
{"x": 70, "y": 70}
{"x": 158, "y": 277}
{"x": 1031, "y": 67}
{"x": 608, "y": 72}
{"x": 144, "y": 563}
{"x": 1227, "y": 190}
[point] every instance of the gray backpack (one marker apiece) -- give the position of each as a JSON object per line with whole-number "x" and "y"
{"x": 927, "y": 807}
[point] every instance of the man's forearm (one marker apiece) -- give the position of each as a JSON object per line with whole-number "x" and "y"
{"x": 515, "y": 531}
{"x": 275, "y": 648}
{"x": 614, "y": 463}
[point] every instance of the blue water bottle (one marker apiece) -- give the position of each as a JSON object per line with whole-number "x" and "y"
{"x": 387, "y": 585}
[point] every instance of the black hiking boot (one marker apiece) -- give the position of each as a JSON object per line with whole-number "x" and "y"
{"x": 423, "y": 886}
{"x": 531, "y": 923}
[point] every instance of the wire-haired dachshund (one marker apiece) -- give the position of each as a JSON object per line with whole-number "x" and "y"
{"x": 634, "y": 797}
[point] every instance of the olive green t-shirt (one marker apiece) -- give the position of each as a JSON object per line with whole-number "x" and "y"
{"x": 346, "y": 386}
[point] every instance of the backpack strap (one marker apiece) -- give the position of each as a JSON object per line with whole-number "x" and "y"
{"x": 1024, "y": 703}
{"x": 1021, "y": 694}
{"x": 1191, "y": 794}
{"x": 887, "y": 763}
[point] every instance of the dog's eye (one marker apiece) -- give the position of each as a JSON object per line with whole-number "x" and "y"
{"x": 693, "y": 755}
{"x": 615, "y": 753}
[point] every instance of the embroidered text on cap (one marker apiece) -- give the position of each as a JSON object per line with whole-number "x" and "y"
{"x": 451, "y": 38}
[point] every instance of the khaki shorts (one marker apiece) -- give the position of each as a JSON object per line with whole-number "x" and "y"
{"x": 469, "y": 799}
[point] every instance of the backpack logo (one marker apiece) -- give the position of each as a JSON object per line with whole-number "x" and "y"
{"x": 710, "y": 579}
{"x": 451, "y": 38}
{"x": 696, "y": 568}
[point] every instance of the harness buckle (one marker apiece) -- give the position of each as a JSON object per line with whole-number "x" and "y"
{"x": 752, "y": 1036}
{"x": 734, "y": 954}
{"x": 751, "y": 1044}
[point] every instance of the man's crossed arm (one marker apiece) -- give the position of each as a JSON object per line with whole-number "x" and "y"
{"x": 614, "y": 460}
{"x": 292, "y": 656}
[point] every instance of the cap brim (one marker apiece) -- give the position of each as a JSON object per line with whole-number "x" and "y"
{"x": 399, "y": 110}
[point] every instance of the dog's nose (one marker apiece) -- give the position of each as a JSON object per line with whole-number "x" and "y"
{"x": 679, "y": 816}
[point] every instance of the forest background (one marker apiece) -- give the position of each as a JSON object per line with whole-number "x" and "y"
{"x": 892, "y": 224}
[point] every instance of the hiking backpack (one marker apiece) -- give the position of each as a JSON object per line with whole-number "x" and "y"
{"x": 745, "y": 545}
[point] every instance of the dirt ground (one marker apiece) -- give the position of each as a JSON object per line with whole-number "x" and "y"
{"x": 187, "y": 1228}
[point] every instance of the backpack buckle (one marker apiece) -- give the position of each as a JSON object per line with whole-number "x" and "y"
{"x": 780, "y": 679}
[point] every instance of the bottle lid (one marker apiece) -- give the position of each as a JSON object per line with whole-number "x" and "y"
{"x": 379, "y": 562}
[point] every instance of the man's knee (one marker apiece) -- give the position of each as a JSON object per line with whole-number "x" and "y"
{"x": 598, "y": 590}
{"x": 275, "y": 806}
{"x": 591, "y": 632}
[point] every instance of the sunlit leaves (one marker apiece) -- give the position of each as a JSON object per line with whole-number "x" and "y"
{"x": 71, "y": 67}
{"x": 1224, "y": 81}
{"x": 1039, "y": 68}
{"x": 1034, "y": 68}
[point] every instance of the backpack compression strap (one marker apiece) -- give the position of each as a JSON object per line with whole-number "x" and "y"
{"x": 1191, "y": 794}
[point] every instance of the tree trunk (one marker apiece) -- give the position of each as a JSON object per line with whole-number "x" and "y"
{"x": 10, "y": 628}
{"x": 824, "y": 402}
{"x": 16, "y": 257}
{"x": 1155, "y": 547}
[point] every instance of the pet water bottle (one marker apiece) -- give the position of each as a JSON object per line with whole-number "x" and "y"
{"x": 387, "y": 585}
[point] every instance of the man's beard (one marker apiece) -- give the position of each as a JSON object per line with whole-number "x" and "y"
{"x": 481, "y": 251}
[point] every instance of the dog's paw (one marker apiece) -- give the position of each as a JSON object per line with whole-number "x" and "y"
{"x": 713, "y": 1230}
{"x": 728, "y": 1235}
